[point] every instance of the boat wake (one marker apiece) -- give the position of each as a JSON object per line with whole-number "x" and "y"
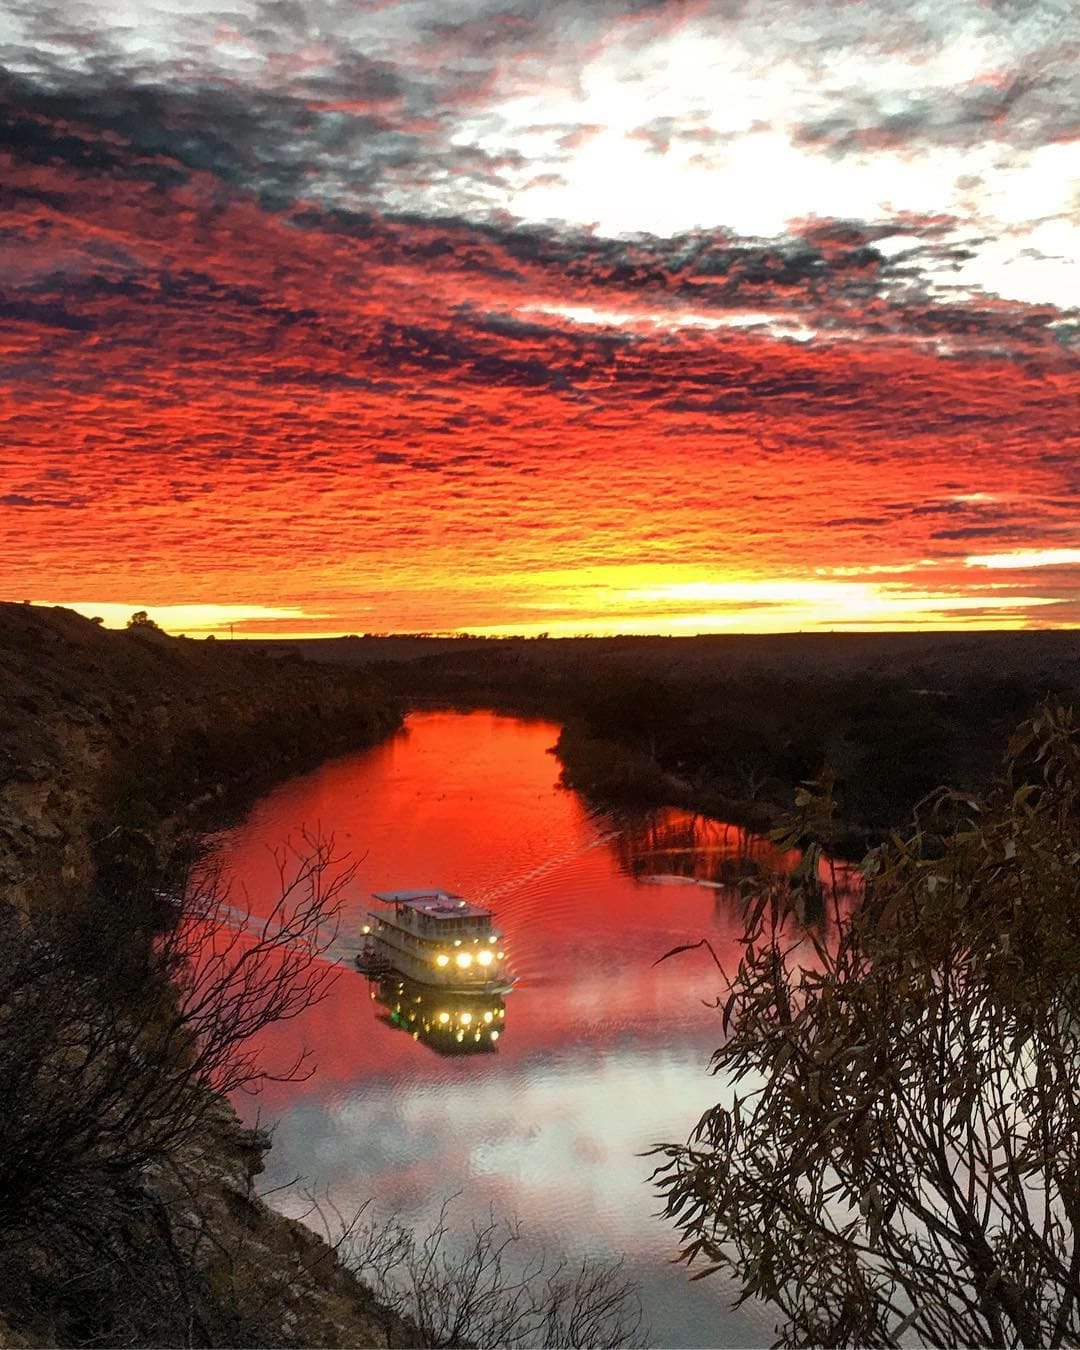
{"x": 548, "y": 865}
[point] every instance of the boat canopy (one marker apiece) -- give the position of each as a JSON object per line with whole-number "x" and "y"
{"x": 438, "y": 903}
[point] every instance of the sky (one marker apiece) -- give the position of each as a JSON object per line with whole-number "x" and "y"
{"x": 566, "y": 316}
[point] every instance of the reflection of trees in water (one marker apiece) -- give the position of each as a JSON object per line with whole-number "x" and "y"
{"x": 671, "y": 842}
{"x": 451, "y": 1022}
{"x": 675, "y": 843}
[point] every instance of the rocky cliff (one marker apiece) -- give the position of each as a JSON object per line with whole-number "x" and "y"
{"x": 108, "y": 735}
{"x": 112, "y": 745}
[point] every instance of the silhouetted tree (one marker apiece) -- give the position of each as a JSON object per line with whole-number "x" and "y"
{"x": 462, "y": 1288}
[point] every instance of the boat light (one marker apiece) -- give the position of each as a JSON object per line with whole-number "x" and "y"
{"x": 442, "y": 959}
{"x": 493, "y": 938}
{"x": 460, "y": 1036}
{"x": 487, "y": 1017}
{"x": 494, "y": 1035}
{"x": 366, "y": 929}
{"x": 457, "y": 942}
{"x": 464, "y": 960}
{"x": 444, "y": 1017}
{"x": 484, "y": 957}
{"x": 466, "y": 1018}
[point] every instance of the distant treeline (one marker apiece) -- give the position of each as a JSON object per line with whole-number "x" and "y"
{"x": 645, "y": 727}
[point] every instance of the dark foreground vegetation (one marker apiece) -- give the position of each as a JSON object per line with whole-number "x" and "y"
{"x": 732, "y": 725}
{"x": 896, "y": 1151}
{"x": 128, "y": 1212}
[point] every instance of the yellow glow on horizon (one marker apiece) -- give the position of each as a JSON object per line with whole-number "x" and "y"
{"x": 777, "y": 605}
{"x": 758, "y": 592}
{"x": 651, "y": 599}
{"x": 1046, "y": 557}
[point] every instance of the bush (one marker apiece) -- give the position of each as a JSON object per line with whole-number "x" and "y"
{"x": 112, "y": 1065}
{"x": 483, "y": 1292}
{"x": 899, "y": 1149}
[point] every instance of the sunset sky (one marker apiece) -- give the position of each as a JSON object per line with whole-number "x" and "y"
{"x": 329, "y": 316}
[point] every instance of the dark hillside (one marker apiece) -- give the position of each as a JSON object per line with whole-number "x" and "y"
{"x": 104, "y": 734}
{"x": 129, "y": 1213}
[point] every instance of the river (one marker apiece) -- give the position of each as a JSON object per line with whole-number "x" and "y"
{"x": 601, "y": 1052}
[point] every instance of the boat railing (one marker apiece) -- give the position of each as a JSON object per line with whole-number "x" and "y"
{"x": 427, "y": 926}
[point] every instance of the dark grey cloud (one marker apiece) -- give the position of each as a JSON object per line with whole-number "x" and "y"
{"x": 52, "y": 501}
{"x": 1004, "y": 534}
{"x": 51, "y": 313}
{"x": 266, "y": 143}
{"x": 35, "y": 127}
{"x": 1025, "y": 110}
{"x": 335, "y": 135}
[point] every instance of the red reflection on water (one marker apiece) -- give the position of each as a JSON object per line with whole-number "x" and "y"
{"x": 601, "y": 1051}
{"x": 587, "y": 902}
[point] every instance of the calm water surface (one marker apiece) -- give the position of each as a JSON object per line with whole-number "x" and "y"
{"x": 601, "y": 1054}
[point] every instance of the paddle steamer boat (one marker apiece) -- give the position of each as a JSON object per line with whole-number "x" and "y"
{"x": 436, "y": 938}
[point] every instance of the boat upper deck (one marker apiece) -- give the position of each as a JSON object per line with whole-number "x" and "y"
{"x": 440, "y": 906}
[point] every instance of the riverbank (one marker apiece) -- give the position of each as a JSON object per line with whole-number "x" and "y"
{"x": 733, "y": 726}
{"x": 115, "y": 748}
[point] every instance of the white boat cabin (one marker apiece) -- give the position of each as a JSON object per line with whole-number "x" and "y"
{"x": 436, "y": 937}
{"x": 438, "y": 915}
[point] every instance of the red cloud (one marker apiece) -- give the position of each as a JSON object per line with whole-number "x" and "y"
{"x": 209, "y": 401}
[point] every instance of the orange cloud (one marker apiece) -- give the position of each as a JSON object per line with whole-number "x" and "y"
{"x": 317, "y": 421}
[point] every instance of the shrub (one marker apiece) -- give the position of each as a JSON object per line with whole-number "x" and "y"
{"x": 899, "y": 1147}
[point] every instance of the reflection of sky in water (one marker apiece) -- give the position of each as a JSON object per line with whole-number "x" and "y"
{"x": 602, "y": 1052}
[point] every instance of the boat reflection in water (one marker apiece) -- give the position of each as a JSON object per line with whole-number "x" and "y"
{"x": 437, "y": 964}
{"x": 450, "y": 1022}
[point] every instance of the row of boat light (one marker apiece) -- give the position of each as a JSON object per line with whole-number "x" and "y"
{"x": 464, "y": 1022}
{"x": 458, "y": 1023}
{"x": 465, "y": 1019}
{"x": 463, "y": 959}
{"x": 484, "y": 957}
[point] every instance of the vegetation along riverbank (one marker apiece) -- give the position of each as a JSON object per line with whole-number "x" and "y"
{"x": 732, "y": 725}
